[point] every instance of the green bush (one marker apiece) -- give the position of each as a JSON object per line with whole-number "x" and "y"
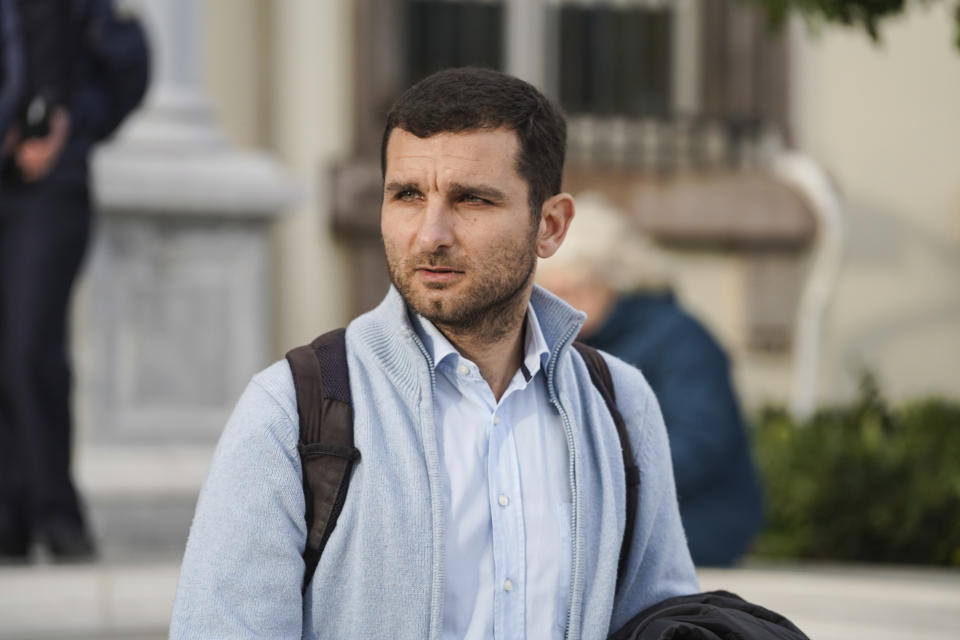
{"x": 863, "y": 482}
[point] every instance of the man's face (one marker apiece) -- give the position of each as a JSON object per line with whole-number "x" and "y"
{"x": 459, "y": 238}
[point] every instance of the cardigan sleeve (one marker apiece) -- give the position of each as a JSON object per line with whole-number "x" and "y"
{"x": 243, "y": 567}
{"x": 114, "y": 73}
{"x": 659, "y": 564}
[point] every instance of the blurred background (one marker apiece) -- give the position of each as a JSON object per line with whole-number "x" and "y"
{"x": 803, "y": 182}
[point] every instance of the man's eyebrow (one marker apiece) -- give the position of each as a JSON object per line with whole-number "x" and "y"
{"x": 481, "y": 191}
{"x": 399, "y": 187}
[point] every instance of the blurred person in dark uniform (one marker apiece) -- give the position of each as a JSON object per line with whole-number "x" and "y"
{"x": 82, "y": 69}
{"x": 620, "y": 280}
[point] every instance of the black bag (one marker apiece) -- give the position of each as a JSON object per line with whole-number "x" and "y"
{"x": 327, "y": 454}
{"x": 715, "y": 615}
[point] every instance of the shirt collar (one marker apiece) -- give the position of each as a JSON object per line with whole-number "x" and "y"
{"x": 535, "y": 350}
{"x": 436, "y": 343}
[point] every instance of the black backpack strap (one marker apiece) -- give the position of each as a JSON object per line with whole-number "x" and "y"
{"x": 600, "y": 376}
{"x": 327, "y": 454}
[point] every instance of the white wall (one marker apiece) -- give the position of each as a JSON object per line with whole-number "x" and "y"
{"x": 885, "y": 122}
{"x": 235, "y": 49}
{"x": 279, "y": 73}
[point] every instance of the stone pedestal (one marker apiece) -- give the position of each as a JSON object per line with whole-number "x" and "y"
{"x": 177, "y": 321}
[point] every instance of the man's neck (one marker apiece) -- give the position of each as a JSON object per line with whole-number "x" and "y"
{"x": 497, "y": 355}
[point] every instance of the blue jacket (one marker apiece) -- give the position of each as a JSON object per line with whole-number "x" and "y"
{"x": 382, "y": 572}
{"x": 721, "y": 502}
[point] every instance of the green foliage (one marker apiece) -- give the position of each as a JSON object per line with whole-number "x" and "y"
{"x": 863, "y": 482}
{"x": 858, "y": 13}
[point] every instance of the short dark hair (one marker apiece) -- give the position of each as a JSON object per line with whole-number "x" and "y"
{"x": 468, "y": 98}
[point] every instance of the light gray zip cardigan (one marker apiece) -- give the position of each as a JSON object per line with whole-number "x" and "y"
{"x": 382, "y": 572}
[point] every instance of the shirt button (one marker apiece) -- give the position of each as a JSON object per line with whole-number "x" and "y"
{"x": 504, "y": 500}
{"x": 496, "y": 419}
{"x": 463, "y": 370}
{"x": 507, "y": 585}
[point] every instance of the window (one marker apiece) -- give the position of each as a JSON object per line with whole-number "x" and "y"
{"x": 615, "y": 60}
{"x": 444, "y": 34}
{"x": 649, "y": 84}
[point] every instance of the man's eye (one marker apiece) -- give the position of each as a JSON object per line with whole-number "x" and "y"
{"x": 472, "y": 199}
{"x": 407, "y": 194}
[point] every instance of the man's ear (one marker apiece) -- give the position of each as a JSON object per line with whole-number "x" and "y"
{"x": 555, "y": 218}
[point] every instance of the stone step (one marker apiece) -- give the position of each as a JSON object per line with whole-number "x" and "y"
{"x": 130, "y": 470}
{"x": 108, "y": 601}
{"x": 839, "y": 602}
{"x": 128, "y": 529}
{"x": 140, "y": 500}
{"x": 76, "y": 602}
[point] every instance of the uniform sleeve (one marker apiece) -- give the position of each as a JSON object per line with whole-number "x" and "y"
{"x": 115, "y": 70}
{"x": 11, "y": 63}
{"x": 659, "y": 564}
{"x": 243, "y": 568}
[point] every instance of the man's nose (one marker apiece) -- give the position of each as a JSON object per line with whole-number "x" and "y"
{"x": 436, "y": 226}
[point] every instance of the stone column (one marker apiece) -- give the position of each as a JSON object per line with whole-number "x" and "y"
{"x": 175, "y": 316}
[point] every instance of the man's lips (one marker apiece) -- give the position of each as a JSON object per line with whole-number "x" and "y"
{"x": 438, "y": 274}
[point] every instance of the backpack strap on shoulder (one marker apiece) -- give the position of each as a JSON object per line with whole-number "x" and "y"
{"x": 602, "y": 380}
{"x": 327, "y": 454}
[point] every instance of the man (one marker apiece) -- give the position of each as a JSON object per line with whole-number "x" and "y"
{"x": 45, "y": 219}
{"x": 489, "y": 500}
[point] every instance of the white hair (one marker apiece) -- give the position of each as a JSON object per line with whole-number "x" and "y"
{"x": 603, "y": 244}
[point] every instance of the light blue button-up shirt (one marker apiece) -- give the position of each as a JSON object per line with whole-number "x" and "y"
{"x": 508, "y": 555}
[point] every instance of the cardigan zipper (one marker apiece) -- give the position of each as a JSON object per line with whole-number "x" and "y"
{"x": 571, "y": 470}
{"x": 436, "y": 587}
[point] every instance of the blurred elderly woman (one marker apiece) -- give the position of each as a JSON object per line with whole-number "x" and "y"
{"x": 619, "y": 279}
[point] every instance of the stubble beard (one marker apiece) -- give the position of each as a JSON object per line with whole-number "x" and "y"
{"x": 488, "y": 309}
